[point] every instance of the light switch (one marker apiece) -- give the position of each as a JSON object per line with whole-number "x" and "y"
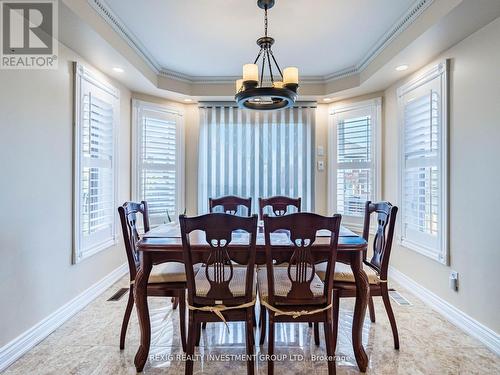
{"x": 320, "y": 151}
{"x": 321, "y": 165}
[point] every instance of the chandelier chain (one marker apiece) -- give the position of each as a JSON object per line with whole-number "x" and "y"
{"x": 265, "y": 20}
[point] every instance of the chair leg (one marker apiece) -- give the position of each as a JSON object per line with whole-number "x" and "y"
{"x": 198, "y": 334}
{"x": 175, "y": 302}
{"x": 335, "y": 320}
{"x": 250, "y": 341}
{"x": 316, "y": 333}
{"x": 182, "y": 319}
{"x": 270, "y": 343}
{"x": 390, "y": 314}
{"x": 371, "y": 308}
{"x": 126, "y": 317}
{"x": 263, "y": 325}
{"x": 190, "y": 344}
{"x": 330, "y": 350}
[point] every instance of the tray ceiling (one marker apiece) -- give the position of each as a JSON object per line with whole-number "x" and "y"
{"x": 199, "y": 39}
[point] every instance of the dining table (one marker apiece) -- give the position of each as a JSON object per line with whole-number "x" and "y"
{"x": 163, "y": 244}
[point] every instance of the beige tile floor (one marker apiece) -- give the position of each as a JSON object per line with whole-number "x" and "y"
{"x": 88, "y": 344}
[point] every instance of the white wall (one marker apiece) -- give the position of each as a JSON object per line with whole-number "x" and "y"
{"x": 474, "y": 180}
{"x": 36, "y": 273}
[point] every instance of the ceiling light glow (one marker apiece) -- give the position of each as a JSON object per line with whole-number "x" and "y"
{"x": 118, "y": 69}
{"x": 400, "y": 68}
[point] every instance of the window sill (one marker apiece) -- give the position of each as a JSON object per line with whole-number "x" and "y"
{"x": 95, "y": 249}
{"x": 429, "y": 253}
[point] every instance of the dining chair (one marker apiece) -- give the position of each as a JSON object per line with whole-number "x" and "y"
{"x": 220, "y": 291}
{"x": 376, "y": 268}
{"x": 296, "y": 293}
{"x": 279, "y": 205}
{"x": 165, "y": 280}
{"x": 230, "y": 204}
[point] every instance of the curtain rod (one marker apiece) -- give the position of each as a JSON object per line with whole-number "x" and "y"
{"x": 304, "y": 104}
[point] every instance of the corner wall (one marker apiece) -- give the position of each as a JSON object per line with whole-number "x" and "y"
{"x": 474, "y": 180}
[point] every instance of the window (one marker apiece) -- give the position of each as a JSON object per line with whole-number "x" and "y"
{"x": 256, "y": 154}
{"x": 423, "y": 167}
{"x": 96, "y": 122}
{"x": 158, "y": 160}
{"x": 354, "y": 159}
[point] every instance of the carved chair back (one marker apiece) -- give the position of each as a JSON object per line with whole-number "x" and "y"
{"x": 221, "y": 231}
{"x": 128, "y": 218}
{"x": 230, "y": 204}
{"x": 279, "y": 205}
{"x": 302, "y": 230}
{"x": 382, "y": 242}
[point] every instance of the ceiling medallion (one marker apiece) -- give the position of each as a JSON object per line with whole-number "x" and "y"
{"x": 254, "y": 93}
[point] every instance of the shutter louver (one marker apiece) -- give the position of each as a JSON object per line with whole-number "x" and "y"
{"x": 96, "y": 111}
{"x": 421, "y": 165}
{"x": 354, "y": 165}
{"x": 158, "y": 176}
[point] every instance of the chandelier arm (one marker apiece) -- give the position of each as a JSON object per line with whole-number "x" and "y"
{"x": 277, "y": 66}
{"x": 262, "y": 71}
{"x": 258, "y": 55}
{"x": 270, "y": 66}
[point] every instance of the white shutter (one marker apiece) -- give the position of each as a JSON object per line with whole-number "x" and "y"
{"x": 96, "y": 109}
{"x": 158, "y": 161}
{"x": 354, "y": 162}
{"x": 423, "y": 165}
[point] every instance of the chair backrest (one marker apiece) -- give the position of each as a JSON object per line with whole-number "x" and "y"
{"x": 302, "y": 230}
{"x": 128, "y": 218}
{"x": 230, "y": 204}
{"x": 382, "y": 242}
{"x": 220, "y": 230}
{"x": 279, "y": 205}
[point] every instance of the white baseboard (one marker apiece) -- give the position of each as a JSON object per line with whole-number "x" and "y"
{"x": 455, "y": 316}
{"x": 21, "y": 344}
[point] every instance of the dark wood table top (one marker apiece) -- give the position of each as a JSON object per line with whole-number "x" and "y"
{"x": 167, "y": 237}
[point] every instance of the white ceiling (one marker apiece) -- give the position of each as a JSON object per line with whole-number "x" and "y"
{"x": 215, "y": 37}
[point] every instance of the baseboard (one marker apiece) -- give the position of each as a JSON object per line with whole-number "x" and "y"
{"x": 20, "y": 345}
{"x": 455, "y": 316}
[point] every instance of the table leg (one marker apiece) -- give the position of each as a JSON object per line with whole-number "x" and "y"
{"x": 362, "y": 294}
{"x": 141, "y": 303}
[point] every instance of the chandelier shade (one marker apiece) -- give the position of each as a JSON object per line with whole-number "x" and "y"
{"x": 277, "y": 90}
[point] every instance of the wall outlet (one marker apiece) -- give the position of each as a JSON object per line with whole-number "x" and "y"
{"x": 454, "y": 280}
{"x": 321, "y": 165}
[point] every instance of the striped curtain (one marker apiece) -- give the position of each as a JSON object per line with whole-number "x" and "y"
{"x": 256, "y": 154}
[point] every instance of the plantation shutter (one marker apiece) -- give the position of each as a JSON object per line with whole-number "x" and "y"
{"x": 97, "y": 110}
{"x": 158, "y": 160}
{"x": 423, "y": 163}
{"x": 354, "y": 172}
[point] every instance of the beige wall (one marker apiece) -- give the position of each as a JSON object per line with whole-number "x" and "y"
{"x": 36, "y": 273}
{"x": 474, "y": 180}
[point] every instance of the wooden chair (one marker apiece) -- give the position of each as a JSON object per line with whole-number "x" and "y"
{"x": 376, "y": 268}
{"x": 165, "y": 280}
{"x": 230, "y": 204}
{"x": 284, "y": 291}
{"x": 279, "y": 205}
{"x": 220, "y": 285}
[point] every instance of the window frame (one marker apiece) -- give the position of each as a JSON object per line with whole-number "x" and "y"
{"x": 437, "y": 71}
{"x": 83, "y": 74}
{"x": 138, "y": 106}
{"x": 374, "y": 106}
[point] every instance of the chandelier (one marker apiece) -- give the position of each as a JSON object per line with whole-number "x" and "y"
{"x": 251, "y": 91}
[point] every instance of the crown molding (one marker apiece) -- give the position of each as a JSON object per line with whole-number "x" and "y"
{"x": 103, "y": 9}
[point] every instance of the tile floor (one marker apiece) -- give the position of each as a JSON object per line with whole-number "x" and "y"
{"x": 88, "y": 344}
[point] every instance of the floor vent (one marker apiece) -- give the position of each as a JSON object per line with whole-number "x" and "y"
{"x": 399, "y": 299}
{"x": 118, "y": 295}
